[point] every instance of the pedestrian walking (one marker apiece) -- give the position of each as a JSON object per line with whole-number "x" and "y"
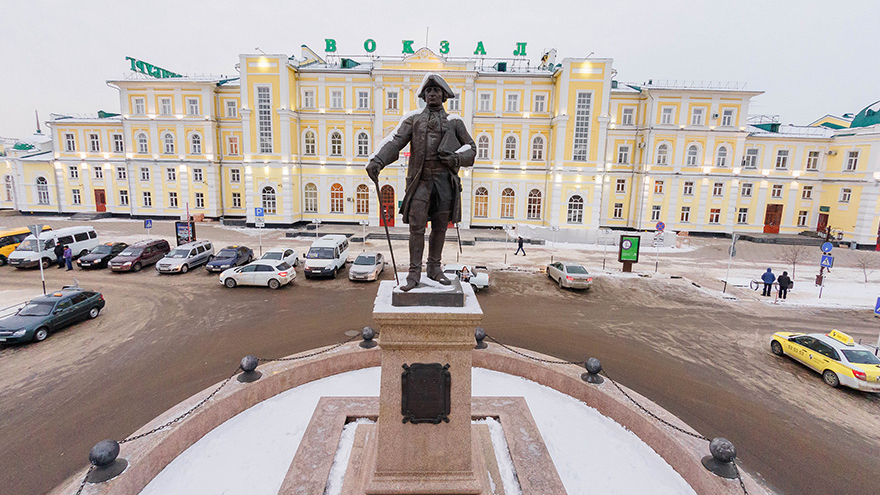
{"x": 68, "y": 257}
{"x": 519, "y": 243}
{"x": 784, "y": 284}
{"x": 59, "y": 255}
{"x": 768, "y": 279}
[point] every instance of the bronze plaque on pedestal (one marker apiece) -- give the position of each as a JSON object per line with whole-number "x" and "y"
{"x": 425, "y": 394}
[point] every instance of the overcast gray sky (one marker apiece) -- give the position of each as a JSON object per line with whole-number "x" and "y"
{"x": 810, "y": 57}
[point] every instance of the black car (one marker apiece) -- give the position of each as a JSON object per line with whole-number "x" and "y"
{"x": 100, "y": 255}
{"x": 229, "y": 257}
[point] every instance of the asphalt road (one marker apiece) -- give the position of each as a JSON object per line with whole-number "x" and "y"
{"x": 162, "y": 339}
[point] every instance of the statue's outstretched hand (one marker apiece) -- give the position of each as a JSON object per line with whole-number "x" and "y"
{"x": 373, "y": 170}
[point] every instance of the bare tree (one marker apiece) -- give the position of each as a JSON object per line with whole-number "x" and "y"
{"x": 793, "y": 254}
{"x": 867, "y": 261}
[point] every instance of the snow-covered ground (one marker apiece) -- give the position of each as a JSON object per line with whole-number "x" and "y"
{"x": 251, "y": 452}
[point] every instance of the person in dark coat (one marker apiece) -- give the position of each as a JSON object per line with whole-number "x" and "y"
{"x": 439, "y": 145}
{"x": 519, "y": 243}
{"x": 59, "y": 255}
{"x": 784, "y": 284}
{"x": 768, "y": 279}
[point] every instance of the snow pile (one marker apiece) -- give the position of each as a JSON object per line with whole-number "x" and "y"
{"x": 502, "y": 456}
{"x": 343, "y": 454}
{"x": 251, "y": 452}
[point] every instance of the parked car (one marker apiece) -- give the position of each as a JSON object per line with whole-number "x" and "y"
{"x": 229, "y": 257}
{"x": 266, "y": 273}
{"x": 52, "y": 312}
{"x": 186, "y": 256}
{"x": 477, "y": 276}
{"x": 288, "y": 255}
{"x": 569, "y": 274}
{"x": 367, "y": 266}
{"x": 327, "y": 256}
{"x": 100, "y": 255}
{"x": 29, "y": 253}
{"x": 139, "y": 255}
{"x": 834, "y": 355}
{"x": 10, "y": 239}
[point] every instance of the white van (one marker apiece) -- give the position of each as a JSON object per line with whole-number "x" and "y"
{"x": 80, "y": 239}
{"x": 326, "y": 256}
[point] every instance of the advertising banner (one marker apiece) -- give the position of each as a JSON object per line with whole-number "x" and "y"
{"x": 629, "y": 248}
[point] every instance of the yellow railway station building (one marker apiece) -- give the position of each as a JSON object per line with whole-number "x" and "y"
{"x": 565, "y": 146}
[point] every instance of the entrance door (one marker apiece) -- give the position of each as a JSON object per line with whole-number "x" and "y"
{"x": 772, "y": 218}
{"x": 823, "y": 222}
{"x": 386, "y": 209}
{"x": 100, "y": 200}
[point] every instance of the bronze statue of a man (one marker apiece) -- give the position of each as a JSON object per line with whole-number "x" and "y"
{"x": 439, "y": 145}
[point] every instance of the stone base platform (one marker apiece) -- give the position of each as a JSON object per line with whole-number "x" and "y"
{"x": 310, "y": 469}
{"x": 429, "y": 293}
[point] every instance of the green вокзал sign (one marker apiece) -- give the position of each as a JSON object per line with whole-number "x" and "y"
{"x": 629, "y": 248}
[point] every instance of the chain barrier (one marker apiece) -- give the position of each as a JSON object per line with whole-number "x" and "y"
{"x": 313, "y": 354}
{"x": 82, "y": 484}
{"x": 533, "y": 358}
{"x": 628, "y": 396}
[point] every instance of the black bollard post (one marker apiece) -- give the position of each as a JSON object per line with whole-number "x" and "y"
{"x": 480, "y": 335}
{"x": 104, "y": 456}
{"x": 368, "y": 334}
{"x": 249, "y": 366}
{"x": 593, "y": 367}
{"x": 721, "y": 461}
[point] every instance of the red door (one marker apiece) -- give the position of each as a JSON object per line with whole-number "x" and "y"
{"x": 100, "y": 200}
{"x": 386, "y": 209}
{"x": 772, "y": 218}
{"x": 823, "y": 223}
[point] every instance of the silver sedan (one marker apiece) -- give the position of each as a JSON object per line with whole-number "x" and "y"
{"x": 569, "y": 274}
{"x": 367, "y": 266}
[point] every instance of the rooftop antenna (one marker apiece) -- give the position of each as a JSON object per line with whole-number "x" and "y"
{"x": 261, "y": 51}
{"x": 427, "y": 29}
{"x": 37, "y": 114}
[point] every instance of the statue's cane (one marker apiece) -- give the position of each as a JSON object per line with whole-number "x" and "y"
{"x": 385, "y": 216}
{"x": 458, "y": 233}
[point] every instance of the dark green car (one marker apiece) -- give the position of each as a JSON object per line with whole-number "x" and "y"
{"x": 49, "y": 313}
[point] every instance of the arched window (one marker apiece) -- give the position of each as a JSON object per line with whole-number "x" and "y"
{"x": 42, "y": 191}
{"x": 143, "y": 148}
{"x": 692, "y": 155}
{"x": 662, "y": 154}
{"x": 481, "y": 202}
{"x": 335, "y": 143}
{"x": 483, "y": 147}
{"x": 533, "y": 209}
{"x": 510, "y": 148}
{"x": 269, "y": 200}
{"x": 721, "y": 158}
{"x": 363, "y": 144}
{"x": 8, "y": 182}
{"x": 362, "y": 199}
{"x": 337, "y": 200}
{"x": 575, "y": 209}
{"x": 537, "y": 148}
{"x": 310, "y": 198}
{"x": 508, "y": 203}
{"x": 195, "y": 144}
{"x": 168, "y": 139}
{"x": 309, "y": 143}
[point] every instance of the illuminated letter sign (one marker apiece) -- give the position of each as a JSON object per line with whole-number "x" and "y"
{"x": 480, "y": 49}
{"x": 370, "y": 46}
{"x": 407, "y": 46}
{"x": 150, "y": 69}
{"x": 444, "y": 47}
{"x": 520, "y": 49}
{"x": 329, "y": 45}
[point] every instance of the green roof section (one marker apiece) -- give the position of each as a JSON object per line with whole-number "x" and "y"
{"x": 103, "y": 115}
{"x": 23, "y": 146}
{"x": 831, "y": 125}
{"x": 870, "y": 115}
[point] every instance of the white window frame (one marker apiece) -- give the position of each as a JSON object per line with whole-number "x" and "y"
{"x": 852, "y": 161}
{"x": 165, "y": 106}
{"x": 139, "y": 106}
{"x": 200, "y": 200}
{"x": 310, "y": 198}
{"x": 195, "y": 144}
{"x": 658, "y": 186}
{"x": 362, "y": 199}
{"x": 75, "y": 196}
{"x": 235, "y": 175}
{"x": 484, "y": 147}
{"x": 392, "y": 97}
{"x": 623, "y": 154}
{"x": 147, "y": 199}
{"x": 782, "y": 159}
{"x": 662, "y": 157}
{"x": 512, "y": 102}
{"x": 144, "y": 174}
{"x": 42, "y": 191}
{"x": 721, "y": 157}
{"x": 118, "y": 143}
{"x": 745, "y": 190}
{"x": 698, "y": 116}
{"x": 534, "y": 203}
{"x": 481, "y": 202}
{"x": 69, "y": 142}
{"x": 73, "y": 172}
{"x": 94, "y": 142}
{"x": 172, "y": 199}
{"x": 845, "y": 195}
{"x": 193, "y": 107}
{"x": 198, "y": 176}
{"x": 581, "y": 130}
{"x": 485, "y": 101}
{"x": 813, "y": 157}
{"x": 776, "y": 191}
{"x": 620, "y": 186}
{"x": 123, "y": 197}
{"x": 511, "y": 150}
{"x": 728, "y": 117}
{"x": 538, "y": 148}
{"x": 99, "y": 172}
{"x": 143, "y": 143}
{"x": 807, "y": 192}
{"x": 751, "y": 158}
{"x": 742, "y": 216}
{"x": 232, "y": 145}
{"x": 269, "y": 200}
{"x": 168, "y": 144}
{"x": 617, "y": 211}
{"x": 716, "y": 213}
{"x": 231, "y": 109}
{"x": 363, "y": 99}
{"x": 363, "y": 143}
{"x": 803, "y": 218}
{"x": 337, "y": 99}
{"x": 336, "y": 147}
{"x": 337, "y": 198}
{"x": 454, "y": 104}
{"x": 236, "y": 200}
{"x": 628, "y": 116}
{"x": 574, "y": 212}
{"x": 121, "y": 172}
{"x": 688, "y": 188}
{"x": 656, "y": 210}
{"x": 685, "y": 216}
{"x": 718, "y": 190}
{"x": 508, "y": 203}
{"x": 170, "y": 174}
{"x": 692, "y": 160}
{"x": 667, "y": 116}
{"x": 539, "y": 104}
{"x": 310, "y": 143}
{"x": 265, "y": 141}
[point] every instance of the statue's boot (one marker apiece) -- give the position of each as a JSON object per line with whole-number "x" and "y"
{"x": 416, "y": 251}
{"x": 435, "y": 249}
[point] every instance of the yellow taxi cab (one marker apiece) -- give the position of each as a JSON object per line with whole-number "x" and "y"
{"x": 834, "y": 355}
{"x": 10, "y": 239}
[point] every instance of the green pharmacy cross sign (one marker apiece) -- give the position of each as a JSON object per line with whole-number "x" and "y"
{"x": 150, "y": 69}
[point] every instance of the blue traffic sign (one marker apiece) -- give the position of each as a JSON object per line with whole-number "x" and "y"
{"x": 877, "y": 307}
{"x": 827, "y": 261}
{"x": 826, "y": 247}
{"x": 661, "y": 226}
{"x": 148, "y": 224}
{"x": 258, "y": 212}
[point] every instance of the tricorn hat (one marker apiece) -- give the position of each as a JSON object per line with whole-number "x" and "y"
{"x": 437, "y": 81}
